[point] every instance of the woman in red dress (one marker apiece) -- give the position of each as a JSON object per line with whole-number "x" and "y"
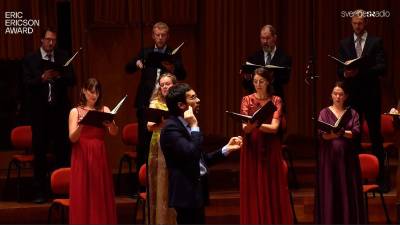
{"x": 264, "y": 194}
{"x": 92, "y": 198}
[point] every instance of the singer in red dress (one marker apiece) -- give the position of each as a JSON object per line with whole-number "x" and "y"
{"x": 92, "y": 198}
{"x": 264, "y": 194}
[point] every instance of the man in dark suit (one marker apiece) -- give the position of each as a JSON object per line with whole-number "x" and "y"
{"x": 181, "y": 142}
{"x": 363, "y": 81}
{"x": 47, "y": 85}
{"x": 150, "y": 74}
{"x": 270, "y": 54}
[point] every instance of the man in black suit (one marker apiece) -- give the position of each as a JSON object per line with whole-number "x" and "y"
{"x": 47, "y": 85}
{"x": 148, "y": 81}
{"x": 181, "y": 142}
{"x": 363, "y": 81}
{"x": 270, "y": 54}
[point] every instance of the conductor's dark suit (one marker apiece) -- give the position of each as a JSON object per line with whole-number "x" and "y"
{"x": 146, "y": 86}
{"x": 188, "y": 190}
{"x": 281, "y": 77}
{"x": 49, "y": 117}
{"x": 364, "y": 88}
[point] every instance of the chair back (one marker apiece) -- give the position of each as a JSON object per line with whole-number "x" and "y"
{"x": 130, "y": 134}
{"x": 60, "y": 179}
{"x": 387, "y": 127}
{"x": 143, "y": 175}
{"x": 21, "y": 137}
{"x": 369, "y": 165}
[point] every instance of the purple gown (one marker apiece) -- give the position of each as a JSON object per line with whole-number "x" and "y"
{"x": 339, "y": 197}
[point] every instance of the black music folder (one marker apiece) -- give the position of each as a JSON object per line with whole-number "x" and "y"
{"x": 156, "y": 115}
{"x": 340, "y": 123}
{"x": 155, "y": 59}
{"x": 49, "y": 65}
{"x": 353, "y": 63}
{"x": 259, "y": 116}
{"x": 97, "y": 118}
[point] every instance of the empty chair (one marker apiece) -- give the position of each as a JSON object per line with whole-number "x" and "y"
{"x": 388, "y": 132}
{"x": 60, "y": 180}
{"x": 141, "y": 196}
{"x": 129, "y": 138}
{"x": 21, "y": 138}
{"x": 369, "y": 171}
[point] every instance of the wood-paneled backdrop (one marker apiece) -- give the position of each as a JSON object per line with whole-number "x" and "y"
{"x": 218, "y": 35}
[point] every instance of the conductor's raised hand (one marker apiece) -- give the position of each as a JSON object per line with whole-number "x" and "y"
{"x": 189, "y": 116}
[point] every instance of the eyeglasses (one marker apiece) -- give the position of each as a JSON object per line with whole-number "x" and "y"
{"x": 193, "y": 97}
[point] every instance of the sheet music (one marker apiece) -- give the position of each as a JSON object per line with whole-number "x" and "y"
{"x": 270, "y": 66}
{"x": 72, "y": 58}
{"x": 115, "y": 110}
{"x": 176, "y": 49}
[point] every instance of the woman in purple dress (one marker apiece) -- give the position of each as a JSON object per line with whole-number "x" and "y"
{"x": 339, "y": 198}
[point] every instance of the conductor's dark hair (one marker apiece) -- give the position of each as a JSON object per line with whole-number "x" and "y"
{"x": 44, "y": 31}
{"x": 176, "y": 94}
{"x": 92, "y": 84}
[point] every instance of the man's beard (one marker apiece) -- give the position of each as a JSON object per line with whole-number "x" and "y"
{"x": 267, "y": 48}
{"x": 196, "y": 110}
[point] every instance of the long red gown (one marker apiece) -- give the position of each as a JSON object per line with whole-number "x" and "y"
{"x": 92, "y": 198}
{"x": 264, "y": 194}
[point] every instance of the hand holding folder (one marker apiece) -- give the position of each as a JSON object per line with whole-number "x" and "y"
{"x": 159, "y": 59}
{"x": 353, "y": 63}
{"x": 97, "y": 118}
{"x": 156, "y": 115}
{"x": 339, "y": 125}
{"x": 259, "y": 116}
{"x": 57, "y": 67}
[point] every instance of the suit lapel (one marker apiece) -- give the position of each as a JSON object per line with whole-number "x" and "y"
{"x": 182, "y": 127}
{"x": 367, "y": 45}
{"x": 352, "y": 48}
{"x": 259, "y": 59}
{"x": 274, "y": 60}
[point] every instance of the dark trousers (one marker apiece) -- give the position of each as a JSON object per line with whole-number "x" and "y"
{"x": 49, "y": 131}
{"x": 144, "y": 138}
{"x": 190, "y": 215}
{"x": 369, "y": 109}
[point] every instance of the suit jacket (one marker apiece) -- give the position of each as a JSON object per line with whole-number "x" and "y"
{"x": 182, "y": 151}
{"x": 366, "y": 83}
{"x": 149, "y": 75}
{"x": 37, "y": 90}
{"x": 281, "y": 77}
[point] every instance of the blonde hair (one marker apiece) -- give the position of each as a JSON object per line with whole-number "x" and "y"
{"x": 161, "y": 26}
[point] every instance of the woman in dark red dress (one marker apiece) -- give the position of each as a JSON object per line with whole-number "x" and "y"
{"x": 338, "y": 195}
{"x": 92, "y": 198}
{"x": 264, "y": 194}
